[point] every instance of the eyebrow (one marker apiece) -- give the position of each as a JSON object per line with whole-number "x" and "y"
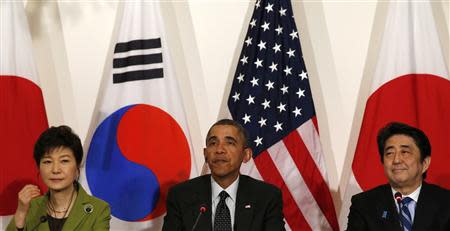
{"x": 49, "y": 156}
{"x": 401, "y": 146}
{"x": 388, "y": 147}
{"x": 226, "y": 138}
{"x": 211, "y": 138}
{"x": 406, "y": 146}
{"x": 230, "y": 138}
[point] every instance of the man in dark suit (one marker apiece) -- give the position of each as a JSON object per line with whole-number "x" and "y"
{"x": 407, "y": 203}
{"x": 225, "y": 200}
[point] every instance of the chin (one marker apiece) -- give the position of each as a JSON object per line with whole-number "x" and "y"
{"x": 58, "y": 188}
{"x": 220, "y": 174}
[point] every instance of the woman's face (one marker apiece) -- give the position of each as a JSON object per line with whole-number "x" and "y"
{"x": 58, "y": 169}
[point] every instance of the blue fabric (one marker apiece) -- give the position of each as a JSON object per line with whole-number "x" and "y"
{"x": 405, "y": 215}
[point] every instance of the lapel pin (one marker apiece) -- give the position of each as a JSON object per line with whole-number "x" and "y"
{"x": 88, "y": 208}
{"x": 384, "y": 214}
{"x": 248, "y": 206}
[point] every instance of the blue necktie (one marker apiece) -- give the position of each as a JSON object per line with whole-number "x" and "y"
{"x": 222, "y": 218}
{"x": 405, "y": 215}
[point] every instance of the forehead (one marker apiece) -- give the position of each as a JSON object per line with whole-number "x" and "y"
{"x": 400, "y": 140}
{"x": 224, "y": 131}
{"x": 59, "y": 152}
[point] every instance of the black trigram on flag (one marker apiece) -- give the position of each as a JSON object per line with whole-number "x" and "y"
{"x": 137, "y": 60}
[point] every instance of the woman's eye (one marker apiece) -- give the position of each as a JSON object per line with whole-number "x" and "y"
{"x": 65, "y": 161}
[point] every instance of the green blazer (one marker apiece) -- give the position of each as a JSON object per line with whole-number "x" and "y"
{"x": 88, "y": 213}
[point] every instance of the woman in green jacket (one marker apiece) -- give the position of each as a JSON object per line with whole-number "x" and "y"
{"x": 65, "y": 206}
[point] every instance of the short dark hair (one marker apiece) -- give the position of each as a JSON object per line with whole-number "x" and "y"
{"x": 56, "y": 137}
{"x": 397, "y": 128}
{"x": 242, "y": 131}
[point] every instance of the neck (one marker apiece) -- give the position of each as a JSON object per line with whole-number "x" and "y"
{"x": 407, "y": 189}
{"x": 61, "y": 198}
{"x": 225, "y": 181}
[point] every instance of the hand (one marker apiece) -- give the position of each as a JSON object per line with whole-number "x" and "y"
{"x": 28, "y": 193}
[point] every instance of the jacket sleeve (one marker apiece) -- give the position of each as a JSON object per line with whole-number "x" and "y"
{"x": 274, "y": 219}
{"x": 103, "y": 220}
{"x": 173, "y": 219}
{"x": 355, "y": 217}
{"x": 11, "y": 225}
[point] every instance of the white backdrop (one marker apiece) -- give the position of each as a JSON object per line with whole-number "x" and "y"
{"x": 71, "y": 40}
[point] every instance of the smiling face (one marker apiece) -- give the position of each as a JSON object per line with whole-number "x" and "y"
{"x": 225, "y": 152}
{"x": 402, "y": 163}
{"x": 59, "y": 169}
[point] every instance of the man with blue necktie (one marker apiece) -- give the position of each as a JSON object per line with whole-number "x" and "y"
{"x": 407, "y": 203}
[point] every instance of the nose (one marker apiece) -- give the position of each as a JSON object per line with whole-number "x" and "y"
{"x": 397, "y": 158}
{"x": 220, "y": 148}
{"x": 55, "y": 167}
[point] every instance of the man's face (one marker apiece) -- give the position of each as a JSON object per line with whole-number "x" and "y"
{"x": 225, "y": 152}
{"x": 402, "y": 163}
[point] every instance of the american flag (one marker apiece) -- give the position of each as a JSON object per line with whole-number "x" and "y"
{"x": 271, "y": 98}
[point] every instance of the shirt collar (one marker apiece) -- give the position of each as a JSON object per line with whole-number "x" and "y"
{"x": 231, "y": 190}
{"x": 414, "y": 195}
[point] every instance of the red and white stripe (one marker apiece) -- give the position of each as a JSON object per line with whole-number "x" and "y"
{"x": 296, "y": 165}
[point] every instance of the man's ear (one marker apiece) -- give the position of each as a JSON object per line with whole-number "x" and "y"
{"x": 248, "y": 153}
{"x": 205, "y": 155}
{"x": 426, "y": 163}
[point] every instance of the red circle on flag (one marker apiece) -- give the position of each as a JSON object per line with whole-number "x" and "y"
{"x": 420, "y": 100}
{"x": 22, "y": 120}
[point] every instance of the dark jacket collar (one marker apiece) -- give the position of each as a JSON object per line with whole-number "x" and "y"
{"x": 244, "y": 205}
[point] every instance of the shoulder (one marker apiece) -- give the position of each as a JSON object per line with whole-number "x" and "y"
{"x": 192, "y": 184}
{"x": 371, "y": 195}
{"x": 436, "y": 192}
{"x": 435, "y": 188}
{"x": 87, "y": 199}
{"x": 258, "y": 186}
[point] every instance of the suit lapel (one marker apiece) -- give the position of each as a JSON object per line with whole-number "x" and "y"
{"x": 203, "y": 197}
{"x": 77, "y": 213}
{"x": 425, "y": 208}
{"x": 41, "y": 210}
{"x": 244, "y": 206}
{"x": 387, "y": 210}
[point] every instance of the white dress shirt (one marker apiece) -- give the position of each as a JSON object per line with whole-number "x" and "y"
{"x": 411, "y": 206}
{"x": 230, "y": 201}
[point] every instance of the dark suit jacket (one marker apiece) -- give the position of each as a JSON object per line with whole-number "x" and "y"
{"x": 258, "y": 206}
{"x": 375, "y": 210}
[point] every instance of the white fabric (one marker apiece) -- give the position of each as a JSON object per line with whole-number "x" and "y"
{"x": 141, "y": 20}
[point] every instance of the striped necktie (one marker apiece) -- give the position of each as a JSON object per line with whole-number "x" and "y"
{"x": 405, "y": 215}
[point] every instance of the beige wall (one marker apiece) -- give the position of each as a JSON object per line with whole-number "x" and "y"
{"x": 71, "y": 41}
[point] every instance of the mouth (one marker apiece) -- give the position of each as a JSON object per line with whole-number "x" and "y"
{"x": 219, "y": 161}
